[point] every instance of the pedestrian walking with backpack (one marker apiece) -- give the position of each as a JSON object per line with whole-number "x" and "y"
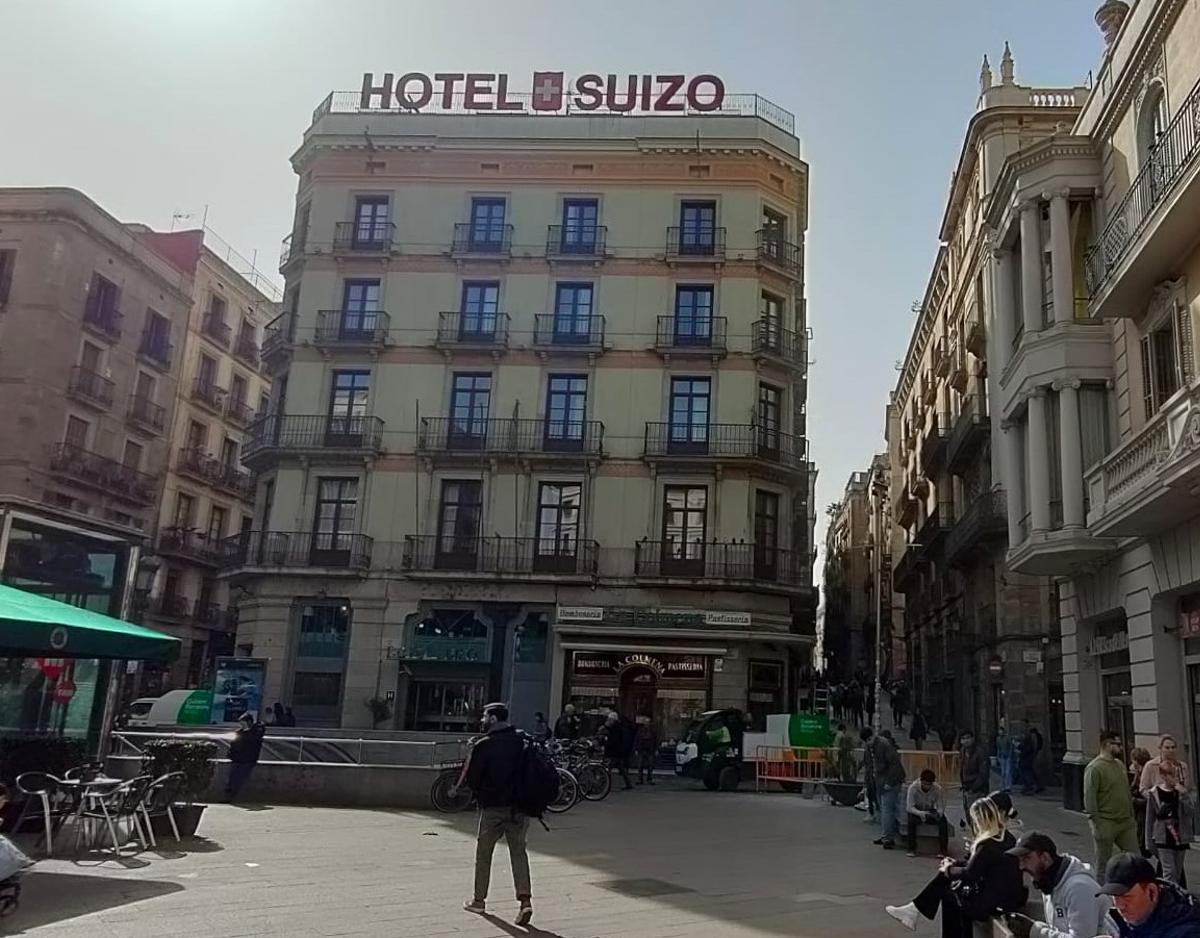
{"x": 513, "y": 781}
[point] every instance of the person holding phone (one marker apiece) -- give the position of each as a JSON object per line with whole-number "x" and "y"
{"x": 1070, "y": 903}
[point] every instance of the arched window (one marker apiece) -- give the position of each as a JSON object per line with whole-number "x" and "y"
{"x": 1152, "y": 123}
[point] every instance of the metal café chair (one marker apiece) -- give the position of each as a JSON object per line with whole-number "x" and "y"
{"x": 84, "y": 773}
{"x": 44, "y": 790}
{"x": 123, "y": 803}
{"x": 158, "y": 802}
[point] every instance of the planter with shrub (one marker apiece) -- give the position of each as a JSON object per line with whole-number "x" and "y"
{"x": 194, "y": 758}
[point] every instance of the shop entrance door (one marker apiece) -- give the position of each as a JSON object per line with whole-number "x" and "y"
{"x": 639, "y": 690}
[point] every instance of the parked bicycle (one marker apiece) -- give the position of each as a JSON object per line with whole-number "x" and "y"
{"x": 450, "y": 793}
{"x": 583, "y": 760}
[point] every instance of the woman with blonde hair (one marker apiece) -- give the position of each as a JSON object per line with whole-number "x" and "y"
{"x": 988, "y": 884}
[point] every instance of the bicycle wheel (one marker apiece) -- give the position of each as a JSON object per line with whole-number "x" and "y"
{"x": 595, "y": 781}
{"x": 568, "y": 793}
{"x": 441, "y": 797}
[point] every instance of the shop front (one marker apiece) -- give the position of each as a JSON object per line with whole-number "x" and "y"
{"x": 55, "y": 681}
{"x": 667, "y": 690}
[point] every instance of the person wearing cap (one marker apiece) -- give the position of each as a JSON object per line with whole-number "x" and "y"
{"x": 1148, "y": 907}
{"x": 1070, "y": 903}
{"x": 1107, "y": 802}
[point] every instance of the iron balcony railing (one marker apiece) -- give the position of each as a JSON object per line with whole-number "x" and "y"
{"x": 169, "y": 605}
{"x": 702, "y": 243}
{"x": 239, "y": 412}
{"x": 204, "y": 467}
{"x": 769, "y": 339}
{"x": 505, "y": 435}
{"x": 146, "y": 413}
{"x": 681, "y": 333}
{"x": 725, "y": 441}
{"x": 487, "y": 330}
{"x": 156, "y": 348}
{"x": 986, "y": 517}
{"x": 352, "y": 327}
{"x": 1169, "y": 158}
{"x": 487, "y": 239}
{"x": 104, "y": 318}
{"x": 936, "y": 526}
{"x": 189, "y": 544}
{"x": 277, "y": 334}
{"x": 214, "y": 616}
{"x": 206, "y": 392}
{"x": 313, "y": 432}
{"x": 933, "y": 447}
{"x": 290, "y": 248}
{"x": 368, "y": 237}
{"x": 91, "y": 386}
{"x": 722, "y": 560}
{"x": 774, "y": 250}
{"x": 552, "y": 330}
{"x": 504, "y": 556}
{"x": 970, "y": 429}
{"x": 217, "y": 329}
{"x": 246, "y": 348}
{"x": 296, "y": 549}
{"x": 583, "y": 241}
{"x": 114, "y": 478}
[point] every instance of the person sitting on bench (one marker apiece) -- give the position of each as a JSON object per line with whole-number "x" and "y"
{"x": 927, "y": 805}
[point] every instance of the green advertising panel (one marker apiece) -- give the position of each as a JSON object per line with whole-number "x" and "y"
{"x": 196, "y": 710}
{"x": 809, "y": 729}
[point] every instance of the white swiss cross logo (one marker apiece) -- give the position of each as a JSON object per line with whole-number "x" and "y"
{"x": 547, "y": 91}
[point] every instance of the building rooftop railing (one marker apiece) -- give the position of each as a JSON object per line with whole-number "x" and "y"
{"x": 733, "y": 105}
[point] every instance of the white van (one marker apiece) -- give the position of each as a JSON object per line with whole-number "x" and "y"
{"x": 173, "y": 708}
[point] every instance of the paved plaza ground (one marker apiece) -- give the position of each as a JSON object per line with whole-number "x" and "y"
{"x": 672, "y": 860}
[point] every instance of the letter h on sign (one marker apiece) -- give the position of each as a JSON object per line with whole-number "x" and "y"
{"x": 547, "y": 91}
{"x": 370, "y": 90}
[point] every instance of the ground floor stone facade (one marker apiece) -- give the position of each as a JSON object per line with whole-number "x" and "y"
{"x": 1131, "y": 649}
{"x": 398, "y": 653}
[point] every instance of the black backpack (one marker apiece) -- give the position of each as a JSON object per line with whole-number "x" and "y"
{"x": 536, "y": 785}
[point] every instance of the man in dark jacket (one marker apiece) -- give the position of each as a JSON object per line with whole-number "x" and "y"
{"x": 618, "y": 744}
{"x": 889, "y": 779}
{"x": 243, "y": 753}
{"x": 1148, "y": 907}
{"x": 567, "y": 725}
{"x": 974, "y": 773}
{"x": 492, "y": 769}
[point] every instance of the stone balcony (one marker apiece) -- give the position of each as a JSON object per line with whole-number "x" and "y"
{"x": 1146, "y": 485}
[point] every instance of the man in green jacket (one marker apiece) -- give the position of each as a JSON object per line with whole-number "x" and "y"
{"x": 1107, "y": 802}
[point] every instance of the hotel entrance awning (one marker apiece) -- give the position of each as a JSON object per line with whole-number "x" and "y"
{"x": 34, "y": 625}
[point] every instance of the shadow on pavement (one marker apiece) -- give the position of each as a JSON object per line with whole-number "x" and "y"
{"x": 54, "y": 897}
{"x": 524, "y": 930}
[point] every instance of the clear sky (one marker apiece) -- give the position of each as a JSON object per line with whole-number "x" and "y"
{"x": 158, "y": 106}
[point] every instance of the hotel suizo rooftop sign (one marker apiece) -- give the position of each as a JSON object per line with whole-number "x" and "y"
{"x": 551, "y": 92}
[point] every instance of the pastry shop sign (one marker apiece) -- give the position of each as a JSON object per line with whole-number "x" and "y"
{"x": 551, "y": 92}
{"x": 606, "y": 663}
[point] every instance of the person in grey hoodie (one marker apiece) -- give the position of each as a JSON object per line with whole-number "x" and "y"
{"x": 1071, "y": 906}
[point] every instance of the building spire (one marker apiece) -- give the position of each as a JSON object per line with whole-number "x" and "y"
{"x": 1007, "y": 71}
{"x": 985, "y": 76}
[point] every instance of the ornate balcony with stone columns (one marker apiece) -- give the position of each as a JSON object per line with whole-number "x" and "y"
{"x": 1031, "y": 266}
{"x": 1152, "y": 480}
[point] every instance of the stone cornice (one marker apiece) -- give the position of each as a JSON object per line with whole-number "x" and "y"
{"x": 1044, "y": 151}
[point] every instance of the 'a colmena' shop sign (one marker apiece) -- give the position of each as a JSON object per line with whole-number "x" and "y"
{"x": 551, "y": 91}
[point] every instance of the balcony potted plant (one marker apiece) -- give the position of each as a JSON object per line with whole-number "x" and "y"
{"x": 194, "y": 758}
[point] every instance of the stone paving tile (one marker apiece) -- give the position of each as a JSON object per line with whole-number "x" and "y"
{"x": 754, "y": 866}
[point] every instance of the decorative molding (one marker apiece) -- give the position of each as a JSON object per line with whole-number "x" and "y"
{"x": 1154, "y": 70}
{"x": 1189, "y": 436}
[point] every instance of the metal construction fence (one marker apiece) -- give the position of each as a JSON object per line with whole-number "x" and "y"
{"x": 799, "y": 765}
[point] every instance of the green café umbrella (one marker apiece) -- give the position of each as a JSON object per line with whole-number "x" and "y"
{"x": 34, "y": 625}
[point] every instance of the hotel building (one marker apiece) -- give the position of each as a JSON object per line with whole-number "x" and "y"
{"x": 538, "y": 422}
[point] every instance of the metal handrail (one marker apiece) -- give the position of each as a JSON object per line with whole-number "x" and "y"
{"x": 1171, "y": 154}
